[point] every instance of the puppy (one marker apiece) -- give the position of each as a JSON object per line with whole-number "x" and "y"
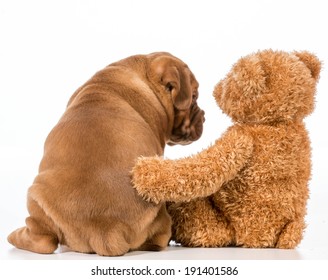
{"x": 82, "y": 196}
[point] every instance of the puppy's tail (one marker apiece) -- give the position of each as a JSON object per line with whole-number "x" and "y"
{"x": 157, "y": 179}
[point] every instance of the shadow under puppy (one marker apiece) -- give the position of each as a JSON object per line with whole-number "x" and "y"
{"x": 82, "y": 196}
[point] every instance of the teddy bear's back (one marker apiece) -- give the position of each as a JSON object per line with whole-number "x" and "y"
{"x": 276, "y": 177}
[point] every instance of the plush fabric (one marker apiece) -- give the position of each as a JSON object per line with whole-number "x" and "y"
{"x": 250, "y": 188}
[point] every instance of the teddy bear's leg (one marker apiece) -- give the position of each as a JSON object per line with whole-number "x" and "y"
{"x": 267, "y": 231}
{"x": 291, "y": 235}
{"x": 199, "y": 224}
{"x": 37, "y": 236}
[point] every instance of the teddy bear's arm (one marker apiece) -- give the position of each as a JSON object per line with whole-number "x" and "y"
{"x": 157, "y": 179}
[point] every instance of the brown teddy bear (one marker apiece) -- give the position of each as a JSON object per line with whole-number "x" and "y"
{"x": 250, "y": 188}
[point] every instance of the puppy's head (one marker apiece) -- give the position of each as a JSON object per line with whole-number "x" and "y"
{"x": 178, "y": 87}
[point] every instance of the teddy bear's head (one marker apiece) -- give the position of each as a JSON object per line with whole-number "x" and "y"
{"x": 269, "y": 86}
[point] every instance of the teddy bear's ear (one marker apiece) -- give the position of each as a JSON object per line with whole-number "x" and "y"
{"x": 311, "y": 62}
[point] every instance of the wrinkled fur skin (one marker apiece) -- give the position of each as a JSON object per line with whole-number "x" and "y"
{"x": 82, "y": 196}
{"x": 250, "y": 188}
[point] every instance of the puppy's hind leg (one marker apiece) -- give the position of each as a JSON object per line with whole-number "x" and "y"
{"x": 37, "y": 236}
{"x": 159, "y": 232}
{"x": 112, "y": 239}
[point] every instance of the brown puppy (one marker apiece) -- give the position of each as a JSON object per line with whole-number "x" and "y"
{"x": 82, "y": 196}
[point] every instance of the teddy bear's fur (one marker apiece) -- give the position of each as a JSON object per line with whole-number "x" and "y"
{"x": 250, "y": 188}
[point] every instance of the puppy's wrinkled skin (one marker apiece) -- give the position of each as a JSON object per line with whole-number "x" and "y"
{"x": 82, "y": 196}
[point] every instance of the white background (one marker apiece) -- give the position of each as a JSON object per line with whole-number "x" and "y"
{"x": 49, "y": 48}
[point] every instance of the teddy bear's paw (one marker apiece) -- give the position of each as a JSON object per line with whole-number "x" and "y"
{"x": 147, "y": 177}
{"x": 291, "y": 235}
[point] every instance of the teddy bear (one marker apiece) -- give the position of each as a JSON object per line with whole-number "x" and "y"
{"x": 249, "y": 188}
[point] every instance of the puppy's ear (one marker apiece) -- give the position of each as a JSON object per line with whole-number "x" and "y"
{"x": 173, "y": 77}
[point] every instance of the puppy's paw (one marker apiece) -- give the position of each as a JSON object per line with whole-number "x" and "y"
{"x": 24, "y": 238}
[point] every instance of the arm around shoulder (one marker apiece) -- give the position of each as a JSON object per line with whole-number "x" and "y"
{"x": 157, "y": 179}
